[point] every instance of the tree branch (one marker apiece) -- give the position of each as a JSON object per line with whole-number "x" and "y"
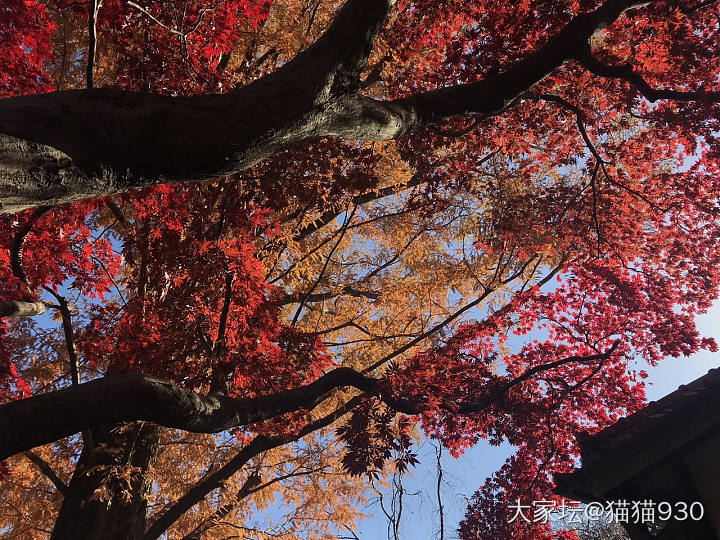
{"x": 64, "y": 310}
{"x": 92, "y": 43}
{"x": 97, "y": 142}
{"x": 330, "y": 215}
{"x": 442, "y": 324}
{"x": 246, "y": 489}
{"x": 627, "y": 73}
{"x": 496, "y": 93}
{"x": 47, "y": 471}
{"x": 334, "y": 63}
{"x": 17, "y": 308}
{"x": 19, "y": 240}
{"x": 348, "y": 219}
{"x": 259, "y": 444}
{"x": 531, "y": 372}
{"x": 45, "y": 418}
{"x": 441, "y": 510}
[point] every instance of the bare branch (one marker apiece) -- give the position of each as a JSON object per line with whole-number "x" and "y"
{"x": 438, "y": 456}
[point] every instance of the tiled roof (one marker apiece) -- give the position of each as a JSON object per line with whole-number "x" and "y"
{"x": 643, "y": 438}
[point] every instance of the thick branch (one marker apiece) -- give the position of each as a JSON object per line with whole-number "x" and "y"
{"x": 125, "y": 140}
{"x": 64, "y": 146}
{"x": 495, "y": 93}
{"x": 45, "y": 418}
{"x": 335, "y": 61}
{"x": 16, "y": 308}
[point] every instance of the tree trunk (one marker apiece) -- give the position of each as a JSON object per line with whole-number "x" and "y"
{"x": 65, "y": 146}
{"x": 106, "y": 496}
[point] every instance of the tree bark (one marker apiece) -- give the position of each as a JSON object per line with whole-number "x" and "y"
{"x": 17, "y": 308}
{"x": 44, "y": 418}
{"x": 106, "y": 496}
{"x": 66, "y": 146}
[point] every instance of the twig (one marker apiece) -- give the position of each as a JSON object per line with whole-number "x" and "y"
{"x": 324, "y": 268}
{"x": 92, "y": 42}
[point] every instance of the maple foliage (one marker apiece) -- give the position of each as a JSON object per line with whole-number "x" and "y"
{"x": 499, "y": 276}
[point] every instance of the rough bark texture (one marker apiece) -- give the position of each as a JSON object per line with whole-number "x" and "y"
{"x": 106, "y": 496}
{"x": 65, "y": 146}
{"x": 33, "y": 174}
{"x": 16, "y": 308}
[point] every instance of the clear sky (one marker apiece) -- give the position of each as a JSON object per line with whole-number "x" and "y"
{"x": 464, "y": 475}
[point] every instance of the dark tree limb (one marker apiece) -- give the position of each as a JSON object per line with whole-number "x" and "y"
{"x": 528, "y": 374}
{"x": 47, "y": 471}
{"x": 219, "y": 382}
{"x": 438, "y": 490}
{"x": 44, "y": 418}
{"x": 627, "y": 73}
{"x": 96, "y": 142}
{"x": 92, "y": 43}
{"x": 64, "y": 309}
{"x": 496, "y": 93}
{"x": 116, "y": 211}
{"x": 18, "y": 241}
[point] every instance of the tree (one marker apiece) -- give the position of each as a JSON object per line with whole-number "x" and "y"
{"x": 363, "y": 238}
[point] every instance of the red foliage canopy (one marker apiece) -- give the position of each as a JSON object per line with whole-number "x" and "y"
{"x": 605, "y": 173}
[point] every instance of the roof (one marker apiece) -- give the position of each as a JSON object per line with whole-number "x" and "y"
{"x": 643, "y": 439}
